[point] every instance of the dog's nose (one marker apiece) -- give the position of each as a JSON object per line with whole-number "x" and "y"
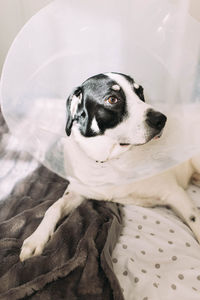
{"x": 155, "y": 119}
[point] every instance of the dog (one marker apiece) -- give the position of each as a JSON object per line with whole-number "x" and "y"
{"x": 107, "y": 118}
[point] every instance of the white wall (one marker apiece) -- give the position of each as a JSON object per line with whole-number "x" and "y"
{"x": 13, "y": 15}
{"x": 195, "y": 9}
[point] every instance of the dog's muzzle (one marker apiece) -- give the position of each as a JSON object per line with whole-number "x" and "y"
{"x": 155, "y": 120}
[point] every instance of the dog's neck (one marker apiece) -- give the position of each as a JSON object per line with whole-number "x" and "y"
{"x": 99, "y": 148}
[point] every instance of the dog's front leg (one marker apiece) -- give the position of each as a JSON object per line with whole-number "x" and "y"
{"x": 35, "y": 243}
{"x": 181, "y": 203}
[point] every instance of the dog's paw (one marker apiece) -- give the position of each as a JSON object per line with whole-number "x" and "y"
{"x": 32, "y": 246}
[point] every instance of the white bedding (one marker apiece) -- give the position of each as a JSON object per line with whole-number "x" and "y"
{"x": 157, "y": 256}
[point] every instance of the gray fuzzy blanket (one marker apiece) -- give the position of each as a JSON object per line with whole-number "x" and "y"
{"x": 76, "y": 263}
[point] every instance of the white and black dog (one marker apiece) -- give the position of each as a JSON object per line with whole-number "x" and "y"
{"x": 106, "y": 118}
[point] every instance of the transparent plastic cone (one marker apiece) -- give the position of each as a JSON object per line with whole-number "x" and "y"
{"x": 156, "y": 42}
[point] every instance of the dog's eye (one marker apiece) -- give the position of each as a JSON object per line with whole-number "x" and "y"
{"x": 112, "y": 100}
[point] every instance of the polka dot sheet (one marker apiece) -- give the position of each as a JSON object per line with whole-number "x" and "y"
{"x": 157, "y": 256}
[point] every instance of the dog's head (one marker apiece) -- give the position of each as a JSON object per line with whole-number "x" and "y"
{"x": 112, "y": 105}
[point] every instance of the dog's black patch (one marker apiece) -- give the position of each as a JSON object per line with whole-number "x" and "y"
{"x": 140, "y": 92}
{"x": 95, "y": 92}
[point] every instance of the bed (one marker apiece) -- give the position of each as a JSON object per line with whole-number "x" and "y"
{"x": 101, "y": 251}
{"x": 157, "y": 256}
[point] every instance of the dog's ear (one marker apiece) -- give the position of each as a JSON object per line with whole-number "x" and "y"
{"x": 72, "y": 103}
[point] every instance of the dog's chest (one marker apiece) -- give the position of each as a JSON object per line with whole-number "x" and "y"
{"x": 95, "y": 173}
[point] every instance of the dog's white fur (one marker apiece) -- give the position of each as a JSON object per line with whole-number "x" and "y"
{"x": 95, "y": 164}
